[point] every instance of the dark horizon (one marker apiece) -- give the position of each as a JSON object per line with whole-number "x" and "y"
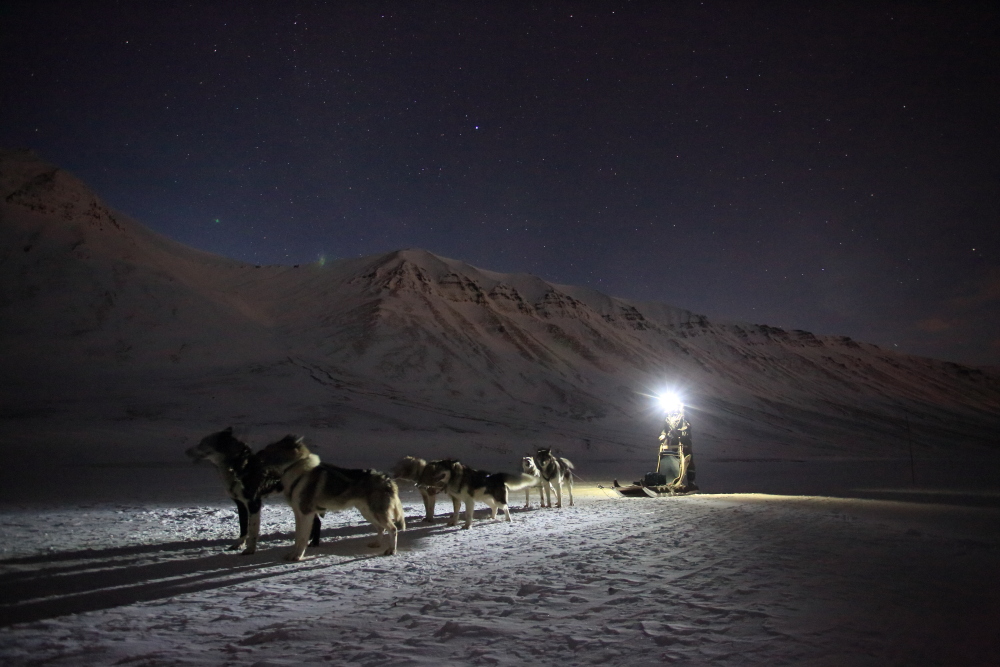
{"x": 832, "y": 169}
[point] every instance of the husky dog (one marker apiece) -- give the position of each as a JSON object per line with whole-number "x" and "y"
{"x": 311, "y": 487}
{"x": 528, "y": 467}
{"x": 466, "y": 485}
{"x": 555, "y": 471}
{"x": 429, "y": 476}
{"x": 246, "y": 480}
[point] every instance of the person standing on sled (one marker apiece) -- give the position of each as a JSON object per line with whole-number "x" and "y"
{"x": 675, "y": 442}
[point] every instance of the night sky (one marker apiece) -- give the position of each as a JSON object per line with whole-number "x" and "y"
{"x": 832, "y": 166}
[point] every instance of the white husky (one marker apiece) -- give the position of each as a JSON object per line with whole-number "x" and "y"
{"x": 555, "y": 471}
{"x": 528, "y": 467}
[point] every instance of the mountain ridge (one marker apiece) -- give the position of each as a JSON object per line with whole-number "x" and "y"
{"x": 89, "y": 292}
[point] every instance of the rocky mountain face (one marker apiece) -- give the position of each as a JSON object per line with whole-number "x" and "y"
{"x": 99, "y": 315}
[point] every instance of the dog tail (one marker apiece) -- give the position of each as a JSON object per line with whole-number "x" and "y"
{"x": 568, "y": 463}
{"x": 518, "y": 480}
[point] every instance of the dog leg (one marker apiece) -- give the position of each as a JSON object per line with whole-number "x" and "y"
{"x": 569, "y": 483}
{"x": 377, "y": 542}
{"x": 303, "y": 524}
{"x": 429, "y": 502}
{"x": 457, "y": 505}
{"x": 394, "y": 532}
{"x": 391, "y": 534}
{"x": 470, "y": 508}
{"x": 314, "y": 535}
{"x": 241, "y": 510}
{"x": 396, "y": 521}
{"x": 386, "y": 525}
{"x": 377, "y": 520}
{"x": 501, "y": 503}
{"x": 558, "y": 492}
{"x": 253, "y": 526}
{"x": 527, "y": 498}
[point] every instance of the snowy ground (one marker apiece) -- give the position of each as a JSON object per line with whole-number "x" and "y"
{"x": 709, "y": 579}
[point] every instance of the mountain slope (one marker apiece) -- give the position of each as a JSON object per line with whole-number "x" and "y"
{"x": 81, "y": 280}
{"x": 100, "y": 315}
{"x": 436, "y": 327}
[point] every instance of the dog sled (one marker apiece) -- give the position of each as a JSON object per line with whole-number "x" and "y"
{"x": 677, "y": 476}
{"x": 655, "y": 484}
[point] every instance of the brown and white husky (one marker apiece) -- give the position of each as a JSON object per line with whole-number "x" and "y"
{"x": 311, "y": 487}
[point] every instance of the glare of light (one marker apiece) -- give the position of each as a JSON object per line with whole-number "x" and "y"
{"x": 670, "y": 402}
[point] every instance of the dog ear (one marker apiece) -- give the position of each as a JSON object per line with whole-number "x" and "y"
{"x": 228, "y": 429}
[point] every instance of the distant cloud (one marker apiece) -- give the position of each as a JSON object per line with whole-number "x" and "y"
{"x": 963, "y": 327}
{"x": 985, "y": 291}
{"x": 935, "y": 325}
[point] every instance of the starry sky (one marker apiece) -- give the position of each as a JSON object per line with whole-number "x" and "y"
{"x": 828, "y": 166}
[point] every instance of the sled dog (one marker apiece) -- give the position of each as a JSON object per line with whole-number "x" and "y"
{"x": 555, "y": 471}
{"x": 246, "y": 480}
{"x": 311, "y": 487}
{"x": 466, "y": 485}
{"x": 528, "y": 467}
{"x": 429, "y": 476}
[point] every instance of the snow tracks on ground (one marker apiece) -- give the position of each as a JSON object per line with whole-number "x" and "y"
{"x": 722, "y": 580}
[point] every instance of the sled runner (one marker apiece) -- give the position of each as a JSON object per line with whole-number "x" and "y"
{"x": 655, "y": 485}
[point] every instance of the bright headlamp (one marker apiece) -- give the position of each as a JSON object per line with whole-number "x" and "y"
{"x": 670, "y": 402}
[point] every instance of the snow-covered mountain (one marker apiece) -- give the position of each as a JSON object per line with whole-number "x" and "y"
{"x": 100, "y": 318}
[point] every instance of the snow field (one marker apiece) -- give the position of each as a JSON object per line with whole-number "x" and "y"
{"x": 722, "y": 580}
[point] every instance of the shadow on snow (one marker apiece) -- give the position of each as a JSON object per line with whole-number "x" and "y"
{"x": 50, "y": 585}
